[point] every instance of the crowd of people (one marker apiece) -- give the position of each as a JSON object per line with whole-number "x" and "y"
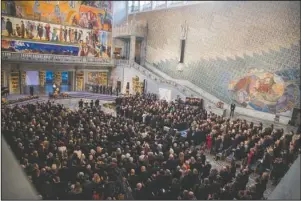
{"x": 101, "y": 89}
{"x": 83, "y": 154}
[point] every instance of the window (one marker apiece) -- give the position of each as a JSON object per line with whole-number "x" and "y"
{"x": 145, "y": 5}
{"x": 133, "y": 6}
{"x": 159, "y": 4}
{"x": 171, "y": 3}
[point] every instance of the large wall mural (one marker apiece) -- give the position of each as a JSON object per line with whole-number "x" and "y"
{"x": 265, "y": 91}
{"x": 83, "y": 24}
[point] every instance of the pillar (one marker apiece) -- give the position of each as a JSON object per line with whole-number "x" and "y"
{"x": 112, "y": 48}
{"x": 132, "y": 48}
{"x": 74, "y": 80}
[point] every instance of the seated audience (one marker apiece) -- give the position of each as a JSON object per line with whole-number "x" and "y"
{"x": 88, "y": 154}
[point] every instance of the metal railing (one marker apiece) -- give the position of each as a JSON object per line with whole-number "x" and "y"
{"x": 188, "y": 92}
{"x": 50, "y": 58}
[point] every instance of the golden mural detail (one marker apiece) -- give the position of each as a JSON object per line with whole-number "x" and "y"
{"x": 23, "y": 78}
{"x": 42, "y": 76}
{"x": 14, "y": 81}
{"x": 137, "y": 86}
{"x": 99, "y": 78}
{"x": 79, "y": 81}
{"x": 58, "y": 78}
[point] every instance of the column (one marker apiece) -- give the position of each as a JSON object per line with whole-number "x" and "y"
{"x": 20, "y": 79}
{"x": 74, "y": 80}
{"x": 112, "y": 48}
{"x": 132, "y": 48}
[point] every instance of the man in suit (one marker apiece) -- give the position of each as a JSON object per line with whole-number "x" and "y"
{"x": 232, "y": 110}
{"x": 31, "y": 90}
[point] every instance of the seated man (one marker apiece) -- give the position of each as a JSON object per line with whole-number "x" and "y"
{"x": 81, "y": 103}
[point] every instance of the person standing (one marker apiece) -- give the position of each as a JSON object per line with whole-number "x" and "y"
{"x": 81, "y": 103}
{"x": 31, "y": 90}
{"x": 232, "y": 110}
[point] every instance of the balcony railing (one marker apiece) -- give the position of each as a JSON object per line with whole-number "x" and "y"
{"x": 50, "y": 58}
{"x": 181, "y": 88}
{"x": 130, "y": 29}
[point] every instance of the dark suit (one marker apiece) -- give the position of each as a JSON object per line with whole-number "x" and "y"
{"x": 232, "y": 110}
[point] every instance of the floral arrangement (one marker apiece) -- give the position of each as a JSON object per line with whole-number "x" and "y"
{"x": 61, "y": 95}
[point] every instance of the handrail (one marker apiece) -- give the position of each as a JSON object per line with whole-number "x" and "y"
{"x": 17, "y": 56}
{"x": 183, "y": 89}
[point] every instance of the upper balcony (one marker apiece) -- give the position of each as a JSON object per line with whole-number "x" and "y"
{"x": 132, "y": 28}
{"x": 54, "y": 59}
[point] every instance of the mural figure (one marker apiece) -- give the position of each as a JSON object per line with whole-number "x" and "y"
{"x": 9, "y": 27}
{"x": 54, "y": 35}
{"x": 57, "y": 12}
{"x": 47, "y": 31}
{"x": 19, "y": 11}
{"x": 71, "y": 4}
{"x": 79, "y": 38}
{"x": 3, "y": 24}
{"x": 69, "y": 34}
{"x": 65, "y": 34}
{"x": 22, "y": 29}
{"x": 265, "y": 85}
{"x": 36, "y": 8}
{"x": 61, "y": 34}
{"x": 18, "y": 30}
{"x": 74, "y": 21}
{"x": 40, "y": 31}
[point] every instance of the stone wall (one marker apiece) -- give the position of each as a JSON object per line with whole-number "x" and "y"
{"x": 222, "y": 29}
{"x": 230, "y": 41}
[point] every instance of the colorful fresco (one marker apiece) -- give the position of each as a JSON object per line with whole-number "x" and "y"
{"x": 84, "y": 14}
{"x": 93, "y": 42}
{"x": 265, "y": 91}
{"x": 39, "y": 48}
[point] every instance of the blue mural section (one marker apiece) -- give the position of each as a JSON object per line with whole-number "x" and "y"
{"x": 214, "y": 76}
{"x": 39, "y": 48}
{"x": 64, "y": 77}
{"x": 49, "y": 77}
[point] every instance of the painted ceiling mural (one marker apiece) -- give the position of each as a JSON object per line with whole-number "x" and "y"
{"x": 86, "y": 25}
{"x": 266, "y": 91}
